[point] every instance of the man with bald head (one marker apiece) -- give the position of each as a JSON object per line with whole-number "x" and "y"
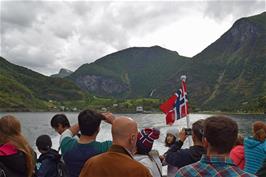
{"x": 118, "y": 161}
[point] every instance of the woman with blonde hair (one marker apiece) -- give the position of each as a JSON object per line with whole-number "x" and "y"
{"x": 16, "y": 155}
{"x": 255, "y": 148}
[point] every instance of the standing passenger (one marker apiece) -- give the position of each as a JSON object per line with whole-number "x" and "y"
{"x": 145, "y": 155}
{"x": 16, "y": 155}
{"x": 255, "y": 148}
{"x": 77, "y": 152}
{"x": 118, "y": 161}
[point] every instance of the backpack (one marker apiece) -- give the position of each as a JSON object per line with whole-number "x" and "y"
{"x": 55, "y": 168}
{"x": 5, "y": 172}
{"x": 61, "y": 169}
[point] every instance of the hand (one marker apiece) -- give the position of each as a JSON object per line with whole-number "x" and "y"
{"x": 182, "y": 135}
{"x": 109, "y": 117}
{"x": 161, "y": 157}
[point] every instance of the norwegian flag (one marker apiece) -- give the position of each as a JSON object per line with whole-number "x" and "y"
{"x": 176, "y": 106}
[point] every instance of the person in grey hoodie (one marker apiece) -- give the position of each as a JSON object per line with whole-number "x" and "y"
{"x": 145, "y": 155}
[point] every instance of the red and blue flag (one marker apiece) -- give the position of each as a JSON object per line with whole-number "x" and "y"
{"x": 176, "y": 106}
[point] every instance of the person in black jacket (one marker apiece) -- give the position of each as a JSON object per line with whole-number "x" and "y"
{"x": 178, "y": 157}
{"x": 46, "y": 165}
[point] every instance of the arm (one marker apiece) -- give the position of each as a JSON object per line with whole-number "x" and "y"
{"x": 178, "y": 144}
{"x": 178, "y": 159}
{"x": 74, "y": 129}
{"x": 109, "y": 117}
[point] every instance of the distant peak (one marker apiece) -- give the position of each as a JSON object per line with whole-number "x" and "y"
{"x": 63, "y": 73}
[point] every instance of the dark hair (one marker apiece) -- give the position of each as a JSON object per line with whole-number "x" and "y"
{"x": 89, "y": 122}
{"x": 221, "y": 133}
{"x": 44, "y": 142}
{"x": 169, "y": 144}
{"x": 197, "y": 129}
{"x": 239, "y": 140}
{"x": 60, "y": 119}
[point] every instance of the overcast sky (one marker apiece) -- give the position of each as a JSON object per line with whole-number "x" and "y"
{"x": 49, "y": 35}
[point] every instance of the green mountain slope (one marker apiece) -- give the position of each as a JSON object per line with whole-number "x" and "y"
{"x": 133, "y": 72}
{"x": 23, "y": 88}
{"x": 230, "y": 74}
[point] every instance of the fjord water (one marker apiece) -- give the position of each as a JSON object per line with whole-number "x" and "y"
{"x": 35, "y": 124}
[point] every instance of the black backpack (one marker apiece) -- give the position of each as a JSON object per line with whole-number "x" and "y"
{"x": 5, "y": 172}
{"x": 61, "y": 169}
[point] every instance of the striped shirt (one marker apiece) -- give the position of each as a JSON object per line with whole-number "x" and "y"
{"x": 218, "y": 166}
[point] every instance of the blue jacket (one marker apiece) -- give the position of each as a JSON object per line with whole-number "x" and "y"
{"x": 178, "y": 157}
{"x": 255, "y": 154}
{"x": 46, "y": 165}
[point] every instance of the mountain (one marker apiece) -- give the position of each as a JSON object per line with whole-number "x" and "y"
{"x": 230, "y": 74}
{"x": 133, "y": 72}
{"x": 25, "y": 89}
{"x": 62, "y": 73}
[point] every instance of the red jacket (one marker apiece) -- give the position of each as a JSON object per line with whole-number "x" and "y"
{"x": 238, "y": 156}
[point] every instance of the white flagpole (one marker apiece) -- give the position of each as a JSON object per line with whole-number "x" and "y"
{"x": 183, "y": 77}
{"x": 188, "y": 126}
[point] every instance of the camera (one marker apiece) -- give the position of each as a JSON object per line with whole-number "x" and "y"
{"x": 188, "y": 131}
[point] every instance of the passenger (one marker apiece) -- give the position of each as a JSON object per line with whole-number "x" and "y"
{"x": 60, "y": 123}
{"x": 77, "y": 152}
{"x": 46, "y": 165}
{"x": 220, "y": 134}
{"x": 178, "y": 157}
{"x": 16, "y": 155}
{"x": 171, "y": 137}
{"x": 118, "y": 161}
{"x": 145, "y": 155}
{"x": 255, "y": 148}
{"x": 237, "y": 153}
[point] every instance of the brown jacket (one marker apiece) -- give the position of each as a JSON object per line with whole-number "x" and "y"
{"x": 117, "y": 162}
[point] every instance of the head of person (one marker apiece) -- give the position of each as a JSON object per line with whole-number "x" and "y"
{"x": 44, "y": 143}
{"x": 220, "y": 134}
{"x": 10, "y": 132}
{"x": 259, "y": 130}
{"x": 60, "y": 123}
{"x": 171, "y": 136}
{"x": 197, "y": 131}
{"x": 89, "y": 122}
{"x": 125, "y": 132}
{"x": 145, "y": 140}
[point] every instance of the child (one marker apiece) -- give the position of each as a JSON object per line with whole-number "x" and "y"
{"x": 46, "y": 165}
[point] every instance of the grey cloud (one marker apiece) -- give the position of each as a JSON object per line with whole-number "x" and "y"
{"x": 220, "y": 9}
{"x": 46, "y": 36}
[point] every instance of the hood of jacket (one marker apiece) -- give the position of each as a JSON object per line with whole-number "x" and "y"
{"x": 52, "y": 155}
{"x": 15, "y": 162}
{"x": 139, "y": 157}
{"x": 251, "y": 143}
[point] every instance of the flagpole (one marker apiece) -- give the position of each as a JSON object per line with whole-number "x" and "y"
{"x": 188, "y": 126}
{"x": 183, "y": 78}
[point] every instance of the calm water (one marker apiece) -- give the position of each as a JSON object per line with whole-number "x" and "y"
{"x": 35, "y": 124}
